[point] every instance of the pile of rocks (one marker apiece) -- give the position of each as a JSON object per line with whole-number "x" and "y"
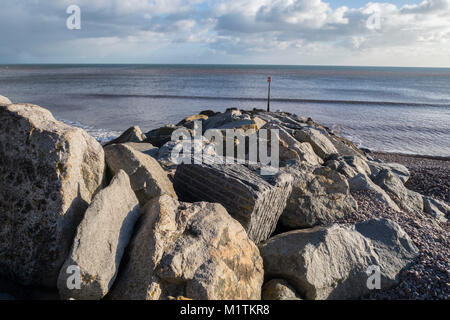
{"x": 123, "y": 221}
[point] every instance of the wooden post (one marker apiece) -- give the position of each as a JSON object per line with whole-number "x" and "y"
{"x": 269, "y": 80}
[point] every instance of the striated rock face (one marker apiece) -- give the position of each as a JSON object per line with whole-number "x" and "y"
{"x": 279, "y": 289}
{"x": 4, "y": 101}
{"x": 390, "y": 182}
{"x": 318, "y": 197}
{"x": 256, "y": 203}
{"x": 192, "y": 250}
{"x": 332, "y": 262}
{"x": 49, "y": 172}
{"x": 148, "y": 179}
{"x": 101, "y": 240}
{"x": 133, "y": 134}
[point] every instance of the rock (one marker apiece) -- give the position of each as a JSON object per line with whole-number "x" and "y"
{"x": 159, "y": 137}
{"x": 148, "y": 179}
{"x": 291, "y": 149}
{"x": 100, "y": 241}
{"x": 436, "y": 208}
{"x": 390, "y": 182}
{"x": 133, "y": 134}
{"x": 255, "y": 202}
{"x": 358, "y": 164}
{"x": 144, "y": 147}
{"x": 49, "y": 172}
{"x": 363, "y": 182}
{"x": 279, "y": 289}
{"x": 4, "y": 101}
{"x": 376, "y": 166}
{"x": 317, "y": 198}
{"x": 342, "y": 167}
{"x": 192, "y": 250}
{"x": 318, "y": 140}
{"x": 209, "y": 113}
{"x": 195, "y": 117}
{"x": 221, "y": 119}
{"x": 331, "y": 262}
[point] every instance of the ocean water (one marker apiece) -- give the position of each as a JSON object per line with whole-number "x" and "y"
{"x": 403, "y": 110}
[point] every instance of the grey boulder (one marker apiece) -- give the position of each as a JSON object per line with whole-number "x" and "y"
{"x": 148, "y": 179}
{"x": 100, "y": 241}
{"x": 335, "y": 262}
{"x": 49, "y": 172}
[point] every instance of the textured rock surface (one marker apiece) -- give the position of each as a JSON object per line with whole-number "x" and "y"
{"x": 436, "y": 208}
{"x": 4, "y": 101}
{"x": 49, "y": 172}
{"x": 396, "y": 168}
{"x": 158, "y": 137}
{"x": 331, "y": 262}
{"x": 144, "y": 147}
{"x": 101, "y": 240}
{"x": 363, "y": 182}
{"x": 318, "y": 140}
{"x": 148, "y": 179}
{"x": 279, "y": 289}
{"x": 192, "y": 250}
{"x": 391, "y": 183}
{"x": 133, "y": 134}
{"x": 256, "y": 203}
{"x": 318, "y": 197}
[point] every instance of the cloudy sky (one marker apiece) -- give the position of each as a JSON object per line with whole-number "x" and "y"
{"x": 333, "y": 32}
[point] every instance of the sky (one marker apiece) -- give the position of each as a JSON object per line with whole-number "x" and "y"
{"x": 292, "y": 32}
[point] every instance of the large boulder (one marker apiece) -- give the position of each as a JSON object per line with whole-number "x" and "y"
{"x": 279, "y": 289}
{"x": 148, "y": 179}
{"x": 318, "y": 139}
{"x": 193, "y": 250}
{"x": 333, "y": 262}
{"x": 133, "y": 134}
{"x": 221, "y": 119}
{"x": 144, "y": 147}
{"x": 4, "y": 101}
{"x": 158, "y": 137}
{"x": 390, "y": 182}
{"x": 49, "y": 172}
{"x": 291, "y": 149}
{"x": 376, "y": 166}
{"x": 255, "y": 202}
{"x": 101, "y": 240}
{"x": 318, "y": 197}
{"x": 436, "y": 208}
{"x": 362, "y": 182}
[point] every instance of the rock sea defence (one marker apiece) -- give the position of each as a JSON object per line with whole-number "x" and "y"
{"x": 126, "y": 221}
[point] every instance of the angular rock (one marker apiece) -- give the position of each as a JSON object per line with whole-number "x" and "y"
{"x": 292, "y": 149}
{"x": 255, "y": 202}
{"x": 317, "y": 198}
{"x": 318, "y": 140}
{"x": 192, "y": 250}
{"x": 101, "y": 240}
{"x": 159, "y": 137}
{"x": 436, "y": 208}
{"x": 391, "y": 183}
{"x": 195, "y": 117}
{"x": 148, "y": 179}
{"x": 49, "y": 172}
{"x": 133, "y": 134}
{"x": 4, "y": 101}
{"x": 144, "y": 147}
{"x": 220, "y": 119}
{"x": 279, "y": 289}
{"x": 363, "y": 182}
{"x": 376, "y": 166}
{"x": 332, "y": 262}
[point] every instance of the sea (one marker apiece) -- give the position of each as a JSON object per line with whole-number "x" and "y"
{"x": 390, "y": 109}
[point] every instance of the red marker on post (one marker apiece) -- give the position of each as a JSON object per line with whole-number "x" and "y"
{"x": 269, "y": 80}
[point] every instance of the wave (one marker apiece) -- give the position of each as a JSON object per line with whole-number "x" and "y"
{"x": 286, "y": 100}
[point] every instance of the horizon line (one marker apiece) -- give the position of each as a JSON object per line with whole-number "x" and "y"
{"x": 217, "y": 64}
